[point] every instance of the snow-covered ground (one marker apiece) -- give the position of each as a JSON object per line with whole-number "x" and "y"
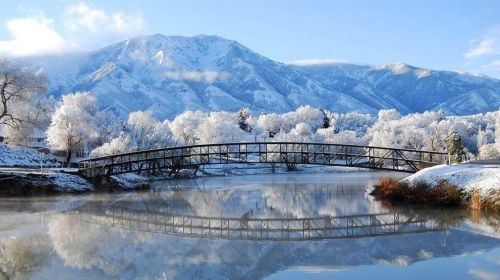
{"x": 25, "y": 157}
{"x": 469, "y": 177}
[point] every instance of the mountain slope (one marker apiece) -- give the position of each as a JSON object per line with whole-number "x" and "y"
{"x": 410, "y": 89}
{"x": 170, "y": 74}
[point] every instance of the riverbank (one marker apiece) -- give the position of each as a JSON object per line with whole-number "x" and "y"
{"x": 472, "y": 185}
{"x": 28, "y": 184}
{"x": 22, "y": 184}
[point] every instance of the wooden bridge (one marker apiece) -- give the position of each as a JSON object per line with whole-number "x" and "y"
{"x": 245, "y": 228}
{"x": 174, "y": 159}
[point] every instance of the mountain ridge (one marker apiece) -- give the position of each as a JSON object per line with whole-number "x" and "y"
{"x": 170, "y": 74}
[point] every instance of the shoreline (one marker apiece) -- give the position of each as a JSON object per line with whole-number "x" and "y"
{"x": 467, "y": 185}
{"x": 14, "y": 183}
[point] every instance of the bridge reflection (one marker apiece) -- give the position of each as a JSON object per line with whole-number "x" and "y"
{"x": 246, "y": 228}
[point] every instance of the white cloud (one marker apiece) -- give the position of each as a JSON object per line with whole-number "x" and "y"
{"x": 81, "y": 27}
{"x": 32, "y": 36}
{"x": 82, "y": 16}
{"x": 494, "y": 65}
{"x": 483, "y": 275}
{"x": 198, "y": 76}
{"x": 488, "y": 45}
{"x": 315, "y": 62}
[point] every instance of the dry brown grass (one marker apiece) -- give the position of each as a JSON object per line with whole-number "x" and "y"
{"x": 443, "y": 194}
{"x": 489, "y": 202}
{"x": 476, "y": 202}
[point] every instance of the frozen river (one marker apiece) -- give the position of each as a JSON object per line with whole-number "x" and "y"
{"x": 283, "y": 226}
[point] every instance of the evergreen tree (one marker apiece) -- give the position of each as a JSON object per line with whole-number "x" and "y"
{"x": 243, "y": 115}
{"x": 326, "y": 119}
{"x": 455, "y": 149}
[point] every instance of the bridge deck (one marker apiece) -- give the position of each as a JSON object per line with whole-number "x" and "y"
{"x": 291, "y": 153}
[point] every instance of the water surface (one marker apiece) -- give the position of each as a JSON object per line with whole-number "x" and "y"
{"x": 247, "y": 223}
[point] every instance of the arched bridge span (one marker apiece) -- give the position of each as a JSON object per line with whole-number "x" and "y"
{"x": 174, "y": 159}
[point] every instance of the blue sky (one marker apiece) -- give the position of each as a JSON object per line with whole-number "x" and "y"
{"x": 444, "y": 35}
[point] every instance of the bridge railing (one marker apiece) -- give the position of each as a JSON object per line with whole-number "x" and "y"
{"x": 268, "y": 152}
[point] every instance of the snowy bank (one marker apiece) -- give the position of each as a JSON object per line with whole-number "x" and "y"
{"x": 25, "y": 157}
{"x": 484, "y": 178}
{"x": 21, "y": 184}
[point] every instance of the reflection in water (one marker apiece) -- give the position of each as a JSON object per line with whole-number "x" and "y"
{"x": 245, "y": 228}
{"x": 18, "y": 257}
{"x": 128, "y": 245}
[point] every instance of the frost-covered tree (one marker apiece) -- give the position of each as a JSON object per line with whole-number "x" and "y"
{"x": 489, "y": 151}
{"x": 270, "y": 124}
{"x": 304, "y": 114}
{"x": 481, "y": 139}
{"x": 185, "y": 126}
{"x": 121, "y": 144}
{"x": 302, "y": 132}
{"x": 497, "y": 129}
{"x": 24, "y": 104}
{"x": 343, "y": 137}
{"x": 302, "y": 129}
{"x": 351, "y": 121}
{"x": 388, "y": 115}
{"x": 73, "y": 123}
{"x": 143, "y": 129}
{"x": 141, "y": 132}
{"x": 19, "y": 89}
{"x": 219, "y": 127}
{"x": 108, "y": 126}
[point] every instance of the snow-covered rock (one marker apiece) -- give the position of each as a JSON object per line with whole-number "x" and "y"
{"x": 171, "y": 74}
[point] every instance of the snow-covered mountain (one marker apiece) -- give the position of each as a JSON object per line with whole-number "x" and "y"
{"x": 170, "y": 74}
{"x": 409, "y": 89}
